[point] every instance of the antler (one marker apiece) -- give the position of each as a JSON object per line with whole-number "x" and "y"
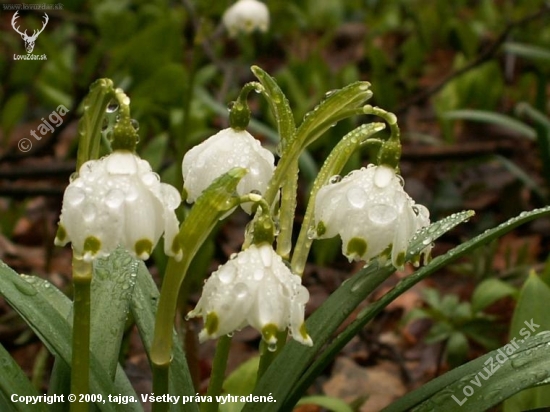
{"x": 35, "y": 32}
{"x": 47, "y": 19}
{"x": 15, "y": 16}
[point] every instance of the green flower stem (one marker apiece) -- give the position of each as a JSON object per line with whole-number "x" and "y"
{"x": 80, "y": 365}
{"x": 267, "y": 356}
{"x": 89, "y": 127}
{"x": 286, "y": 214}
{"x": 334, "y": 163}
{"x": 213, "y": 204}
{"x": 218, "y": 373}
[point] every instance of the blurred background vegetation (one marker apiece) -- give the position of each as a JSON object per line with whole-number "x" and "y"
{"x": 467, "y": 79}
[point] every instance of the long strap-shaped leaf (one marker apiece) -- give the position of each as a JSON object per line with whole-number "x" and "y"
{"x": 367, "y": 314}
{"x": 144, "y": 306}
{"x": 31, "y": 299}
{"x": 14, "y": 382}
{"x": 492, "y": 378}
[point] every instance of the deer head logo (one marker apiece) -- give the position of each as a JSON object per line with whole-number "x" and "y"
{"x": 29, "y": 40}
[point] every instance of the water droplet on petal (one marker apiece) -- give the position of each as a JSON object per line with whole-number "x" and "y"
{"x": 114, "y": 198}
{"x": 227, "y": 274}
{"x": 240, "y": 290}
{"x": 357, "y": 197}
{"x": 258, "y": 274}
{"x": 131, "y": 193}
{"x": 89, "y": 212}
{"x": 150, "y": 179}
{"x": 335, "y": 179}
{"x": 272, "y": 347}
{"x": 381, "y": 214}
{"x": 74, "y": 196}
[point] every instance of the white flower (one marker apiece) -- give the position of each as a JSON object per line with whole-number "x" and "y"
{"x": 246, "y": 16}
{"x": 372, "y": 214}
{"x": 118, "y": 201}
{"x": 220, "y": 153}
{"x": 253, "y": 288}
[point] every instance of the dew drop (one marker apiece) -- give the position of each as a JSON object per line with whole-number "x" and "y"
{"x": 114, "y": 198}
{"x": 105, "y": 125}
{"x": 150, "y": 179}
{"x": 112, "y": 106}
{"x": 272, "y": 347}
{"x": 357, "y": 197}
{"x": 381, "y": 214}
{"x": 240, "y": 290}
{"x": 74, "y": 196}
{"x": 131, "y": 194}
{"x": 258, "y": 274}
{"x": 227, "y": 274}
{"x": 89, "y": 212}
{"x": 335, "y": 179}
{"x": 135, "y": 124}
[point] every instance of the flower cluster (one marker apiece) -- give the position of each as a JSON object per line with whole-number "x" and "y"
{"x": 372, "y": 214}
{"x": 245, "y": 16}
{"x": 254, "y": 288}
{"x": 220, "y": 153}
{"x": 118, "y": 201}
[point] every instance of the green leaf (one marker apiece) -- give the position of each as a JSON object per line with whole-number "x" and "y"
{"x": 242, "y": 380}
{"x": 374, "y": 309}
{"x": 144, "y": 307}
{"x": 513, "y": 368}
{"x": 279, "y": 106}
{"x": 281, "y": 378}
{"x": 489, "y": 291}
{"x": 327, "y": 402}
{"x": 14, "y": 381}
{"x": 502, "y": 120}
{"x": 533, "y": 304}
{"x": 112, "y": 285}
{"x": 46, "y": 310}
{"x": 336, "y": 106}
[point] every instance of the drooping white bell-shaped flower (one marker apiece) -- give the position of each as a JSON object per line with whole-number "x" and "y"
{"x": 220, "y": 153}
{"x": 371, "y": 212}
{"x": 118, "y": 201}
{"x": 253, "y": 288}
{"x": 245, "y": 16}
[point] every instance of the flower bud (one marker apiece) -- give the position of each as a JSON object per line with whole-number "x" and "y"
{"x": 372, "y": 213}
{"x": 225, "y": 150}
{"x": 245, "y": 16}
{"x": 118, "y": 201}
{"x": 254, "y": 288}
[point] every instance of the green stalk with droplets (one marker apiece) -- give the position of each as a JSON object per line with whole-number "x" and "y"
{"x": 213, "y": 204}
{"x": 80, "y": 364}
